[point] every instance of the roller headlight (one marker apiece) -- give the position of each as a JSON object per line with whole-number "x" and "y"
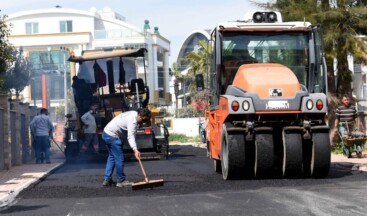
{"x": 309, "y": 104}
{"x": 271, "y": 17}
{"x": 246, "y": 105}
{"x": 258, "y": 17}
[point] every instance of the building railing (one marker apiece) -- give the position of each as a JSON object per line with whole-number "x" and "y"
{"x": 116, "y": 34}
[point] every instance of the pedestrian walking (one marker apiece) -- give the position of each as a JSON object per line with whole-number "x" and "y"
{"x": 42, "y": 132}
{"x": 90, "y": 129}
{"x": 122, "y": 125}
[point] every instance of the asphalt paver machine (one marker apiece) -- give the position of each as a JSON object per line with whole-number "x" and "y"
{"x": 110, "y": 79}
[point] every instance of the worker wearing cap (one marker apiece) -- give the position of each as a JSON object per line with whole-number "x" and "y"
{"x": 113, "y": 133}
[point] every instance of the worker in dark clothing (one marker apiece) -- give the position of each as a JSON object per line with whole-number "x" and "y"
{"x": 42, "y": 131}
{"x": 83, "y": 94}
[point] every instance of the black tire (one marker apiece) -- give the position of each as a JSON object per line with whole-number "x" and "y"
{"x": 217, "y": 166}
{"x": 359, "y": 151}
{"x": 165, "y": 152}
{"x": 232, "y": 154}
{"x": 347, "y": 152}
{"x": 292, "y": 154}
{"x": 264, "y": 155}
{"x": 321, "y": 155}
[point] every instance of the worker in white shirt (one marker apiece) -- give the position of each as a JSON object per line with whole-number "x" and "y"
{"x": 113, "y": 134}
{"x": 90, "y": 129}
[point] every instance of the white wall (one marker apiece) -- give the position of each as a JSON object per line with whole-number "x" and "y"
{"x": 187, "y": 126}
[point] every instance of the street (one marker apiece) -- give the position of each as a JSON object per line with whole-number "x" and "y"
{"x": 191, "y": 187}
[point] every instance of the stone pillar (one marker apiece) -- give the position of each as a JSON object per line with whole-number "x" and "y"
{"x": 4, "y": 103}
{"x": 32, "y": 114}
{"x": 17, "y": 108}
{"x": 167, "y": 93}
{"x": 26, "y": 112}
{"x": 155, "y": 74}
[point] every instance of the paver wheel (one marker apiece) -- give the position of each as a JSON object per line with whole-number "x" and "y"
{"x": 232, "y": 154}
{"x": 292, "y": 154}
{"x": 321, "y": 155}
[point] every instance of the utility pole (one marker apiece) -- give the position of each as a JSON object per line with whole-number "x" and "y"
{"x": 64, "y": 50}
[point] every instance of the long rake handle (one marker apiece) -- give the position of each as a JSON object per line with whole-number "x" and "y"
{"x": 142, "y": 169}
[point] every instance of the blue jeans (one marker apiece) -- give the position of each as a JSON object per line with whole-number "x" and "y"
{"x": 115, "y": 158}
{"x": 42, "y": 144}
{"x": 342, "y": 130}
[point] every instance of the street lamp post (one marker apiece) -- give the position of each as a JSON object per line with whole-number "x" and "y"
{"x": 64, "y": 50}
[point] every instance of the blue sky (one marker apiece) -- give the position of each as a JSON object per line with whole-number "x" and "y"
{"x": 175, "y": 19}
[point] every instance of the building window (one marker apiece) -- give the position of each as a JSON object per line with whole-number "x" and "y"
{"x": 31, "y": 28}
{"x": 51, "y": 64}
{"x": 66, "y": 26}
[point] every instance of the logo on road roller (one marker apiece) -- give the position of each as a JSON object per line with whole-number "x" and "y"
{"x": 275, "y": 92}
{"x": 277, "y": 105}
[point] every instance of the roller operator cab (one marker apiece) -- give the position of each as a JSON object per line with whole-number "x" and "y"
{"x": 268, "y": 107}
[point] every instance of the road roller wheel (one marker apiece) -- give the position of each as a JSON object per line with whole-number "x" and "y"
{"x": 321, "y": 155}
{"x": 232, "y": 154}
{"x": 292, "y": 154}
{"x": 264, "y": 155}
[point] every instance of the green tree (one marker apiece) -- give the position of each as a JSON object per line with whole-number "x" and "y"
{"x": 18, "y": 75}
{"x": 342, "y": 21}
{"x": 6, "y": 50}
{"x": 178, "y": 79}
{"x": 198, "y": 63}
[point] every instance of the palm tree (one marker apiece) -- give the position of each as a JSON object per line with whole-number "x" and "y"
{"x": 178, "y": 79}
{"x": 343, "y": 21}
{"x": 197, "y": 62}
{"x": 343, "y": 25}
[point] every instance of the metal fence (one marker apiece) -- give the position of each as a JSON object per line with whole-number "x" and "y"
{"x": 14, "y": 148}
{"x": 2, "y": 141}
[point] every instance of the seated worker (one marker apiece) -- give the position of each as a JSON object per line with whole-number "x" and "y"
{"x": 346, "y": 116}
{"x": 241, "y": 53}
{"x": 83, "y": 94}
{"x": 231, "y": 62}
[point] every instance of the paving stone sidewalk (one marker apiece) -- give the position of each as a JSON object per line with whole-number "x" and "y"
{"x": 14, "y": 180}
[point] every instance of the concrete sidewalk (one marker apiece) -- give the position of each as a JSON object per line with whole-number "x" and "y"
{"x": 13, "y": 181}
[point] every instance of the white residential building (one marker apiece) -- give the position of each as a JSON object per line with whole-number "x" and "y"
{"x": 45, "y": 34}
